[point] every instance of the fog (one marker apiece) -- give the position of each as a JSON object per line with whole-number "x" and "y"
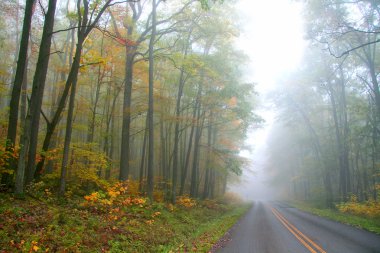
{"x": 254, "y": 184}
{"x": 270, "y": 61}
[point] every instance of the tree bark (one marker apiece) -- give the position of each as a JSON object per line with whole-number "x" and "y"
{"x": 187, "y": 159}
{"x": 39, "y": 87}
{"x": 16, "y": 91}
{"x": 126, "y": 127}
{"x": 207, "y": 182}
{"x": 69, "y": 122}
{"x": 143, "y": 151}
{"x": 150, "y": 183}
{"x": 130, "y": 51}
{"x": 340, "y": 145}
{"x": 176, "y": 136}
{"x": 24, "y": 140}
{"x": 195, "y": 168}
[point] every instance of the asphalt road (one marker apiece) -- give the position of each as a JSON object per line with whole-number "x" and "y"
{"x": 275, "y": 227}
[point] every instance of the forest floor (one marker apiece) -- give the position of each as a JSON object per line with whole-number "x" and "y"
{"x": 361, "y": 215}
{"x": 119, "y": 224}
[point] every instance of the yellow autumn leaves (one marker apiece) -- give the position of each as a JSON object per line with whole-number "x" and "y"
{"x": 370, "y": 208}
{"x": 115, "y": 195}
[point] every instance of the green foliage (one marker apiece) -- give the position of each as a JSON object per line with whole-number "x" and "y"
{"x": 206, "y": 4}
{"x": 7, "y": 155}
{"x": 201, "y": 44}
{"x": 82, "y": 176}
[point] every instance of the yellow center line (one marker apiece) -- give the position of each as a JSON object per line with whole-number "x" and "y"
{"x": 300, "y": 233}
{"x": 299, "y": 238}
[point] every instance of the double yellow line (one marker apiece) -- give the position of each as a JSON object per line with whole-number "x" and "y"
{"x": 306, "y": 241}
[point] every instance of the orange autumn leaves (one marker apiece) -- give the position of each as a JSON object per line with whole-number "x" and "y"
{"x": 6, "y": 156}
{"x": 185, "y": 201}
{"x": 123, "y": 197}
{"x": 116, "y": 195}
{"x": 124, "y": 194}
{"x": 33, "y": 247}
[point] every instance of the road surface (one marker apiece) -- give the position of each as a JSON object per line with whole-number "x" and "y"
{"x": 275, "y": 227}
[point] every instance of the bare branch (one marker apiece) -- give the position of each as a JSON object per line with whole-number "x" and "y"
{"x": 42, "y": 7}
{"x": 366, "y": 82}
{"x": 352, "y": 49}
{"x": 70, "y": 28}
{"x": 91, "y": 63}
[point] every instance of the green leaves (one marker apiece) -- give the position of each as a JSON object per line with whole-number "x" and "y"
{"x": 207, "y": 4}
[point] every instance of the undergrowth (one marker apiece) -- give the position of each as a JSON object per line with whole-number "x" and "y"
{"x": 113, "y": 220}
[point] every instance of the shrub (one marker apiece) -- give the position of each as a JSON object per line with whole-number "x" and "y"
{"x": 6, "y": 156}
{"x": 115, "y": 196}
{"x": 82, "y": 172}
{"x": 186, "y": 201}
{"x": 369, "y": 208}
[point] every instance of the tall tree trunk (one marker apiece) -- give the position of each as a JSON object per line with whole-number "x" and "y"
{"x": 39, "y": 87}
{"x": 16, "y": 91}
{"x": 150, "y": 105}
{"x": 345, "y": 131}
{"x": 91, "y": 127}
{"x": 108, "y": 149}
{"x": 164, "y": 159}
{"x": 177, "y": 121}
{"x": 126, "y": 127}
{"x": 141, "y": 172}
{"x": 49, "y": 166}
{"x": 112, "y": 146}
{"x": 176, "y": 137}
{"x": 69, "y": 122}
{"x": 82, "y": 34}
{"x": 51, "y": 126}
{"x": 24, "y": 143}
{"x": 187, "y": 159}
{"x": 370, "y": 61}
{"x": 195, "y": 170}
{"x": 340, "y": 145}
{"x": 24, "y": 140}
{"x": 207, "y": 182}
{"x": 212, "y": 184}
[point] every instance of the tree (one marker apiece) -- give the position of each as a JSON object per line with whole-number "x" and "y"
{"x": 16, "y": 91}
{"x": 150, "y": 104}
{"x": 87, "y": 22}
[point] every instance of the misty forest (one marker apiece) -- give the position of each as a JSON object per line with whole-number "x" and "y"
{"x": 126, "y": 125}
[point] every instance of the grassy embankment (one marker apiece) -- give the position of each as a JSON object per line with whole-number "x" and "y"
{"x": 362, "y": 215}
{"x": 113, "y": 222}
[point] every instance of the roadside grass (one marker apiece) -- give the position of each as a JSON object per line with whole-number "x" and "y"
{"x": 37, "y": 225}
{"x": 371, "y": 224}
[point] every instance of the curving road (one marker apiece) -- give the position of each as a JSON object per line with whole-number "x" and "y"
{"x": 275, "y": 227}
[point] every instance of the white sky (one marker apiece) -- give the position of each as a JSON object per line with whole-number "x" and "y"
{"x": 272, "y": 37}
